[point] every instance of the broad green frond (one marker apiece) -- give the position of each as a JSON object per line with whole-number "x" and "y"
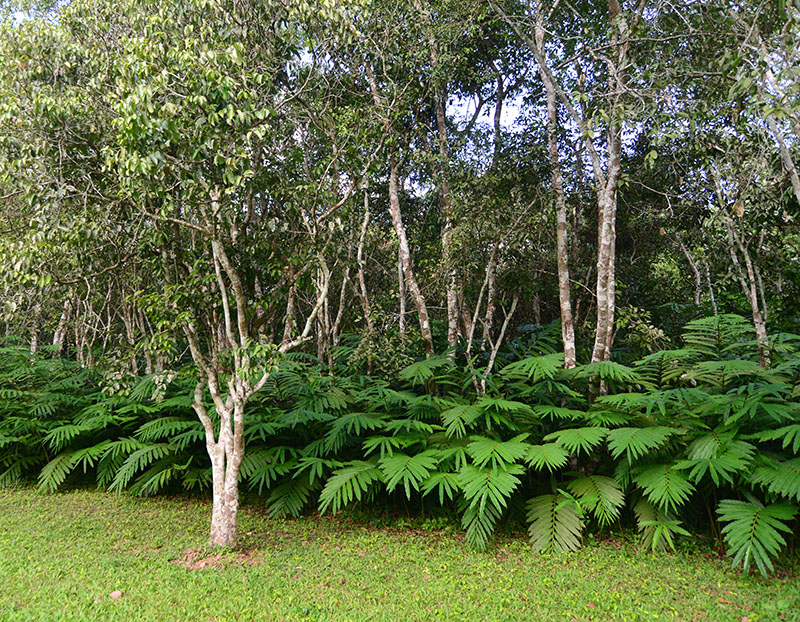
{"x": 576, "y": 440}
{"x": 459, "y": 418}
{"x": 788, "y": 435}
{"x": 487, "y": 450}
{"x": 488, "y": 486}
{"x": 479, "y": 524}
{"x": 555, "y": 524}
{"x": 636, "y": 442}
{"x": 780, "y": 478}
{"x": 164, "y": 428}
{"x": 290, "y": 497}
{"x": 138, "y": 460}
{"x": 600, "y": 495}
{"x": 656, "y": 527}
{"x": 348, "y": 484}
{"x": 664, "y": 485}
{"x": 56, "y": 471}
{"x": 557, "y": 412}
{"x": 411, "y": 471}
{"x": 550, "y": 456}
{"x": 422, "y": 371}
{"x": 610, "y": 371}
{"x": 535, "y": 368}
{"x": 752, "y": 533}
{"x": 446, "y": 483}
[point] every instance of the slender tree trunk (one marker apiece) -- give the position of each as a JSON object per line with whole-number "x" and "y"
{"x": 60, "y": 335}
{"x": 564, "y": 298}
{"x": 405, "y": 256}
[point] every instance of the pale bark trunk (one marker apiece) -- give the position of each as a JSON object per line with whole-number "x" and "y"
{"x": 405, "y": 256}
{"x": 60, "y": 335}
{"x": 362, "y": 281}
{"x": 37, "y": 314}
{"x": 750, "y": 289}
{"x": 698, "y": 280}
{"x": 562, "y": 257}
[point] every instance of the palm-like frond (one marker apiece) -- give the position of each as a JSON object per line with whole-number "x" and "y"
{"x": 348, "y": 484}
{"x": 780, "y": 478}
{"x": 599, "y": 495}
{"x": 555, "y": 524}
{"x": 753, "y": 531}
{"x": 664, "y": 485}
{"x": 636, "y": 442}
{"x": 550, "y": 456}
{"x": 577, "y": 440}
{"x": 410, "y": 471}
{"x": 484, "y": 450}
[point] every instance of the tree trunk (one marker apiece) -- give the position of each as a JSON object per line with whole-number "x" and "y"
{"x": 562, "y": 257}
{"x": 405, "y": 256}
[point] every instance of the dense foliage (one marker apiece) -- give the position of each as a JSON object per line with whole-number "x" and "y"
{"x": 684, "y": 438}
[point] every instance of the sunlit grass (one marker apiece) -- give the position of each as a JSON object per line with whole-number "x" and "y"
{"x": 62, "y": 555}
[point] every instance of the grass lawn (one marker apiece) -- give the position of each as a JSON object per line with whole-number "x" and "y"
{"x": 62, "y": 556}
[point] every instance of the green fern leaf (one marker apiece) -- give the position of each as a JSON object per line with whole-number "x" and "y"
{"x": 600, "y": 495}
{"x": 486, "y": 450}
{"x": 290, "y": 497}
{"x": 789, "y": 435}
{"x": 348, "y": 484}
{"x": 576, "y": 440}
{"x": 656, "y": 527}
{"x": 137, "y": 461}
{"x": 445, "y": 483}
{"x": 664, "y": 485}
{"x": 780, "y": 478}
{"x": 550, "y": 456}
{"x": 411, "y": 471}
{"x": 56, "y": 471}
{"x": 536, "y": 368}
{"x": 752, "y": 533}
{"x": 636, "y": 442}
{"x": 457, "y": 419}
{"x": 555, "y": 524}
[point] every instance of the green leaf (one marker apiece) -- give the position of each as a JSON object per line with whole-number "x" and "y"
{"x": 752, "y": 533}
{"x": 576, "y": 440}
{"x": 600, "y": 495}
{"x": 486, "y": 450}
{"x": 550, "y": 455}
{"x": 410, "y": 470}
{"x": 555, "y": 524}
{"x": 348, "y": 484}
{"x": 664, "y": 485}
{"x": 636, "y": 442}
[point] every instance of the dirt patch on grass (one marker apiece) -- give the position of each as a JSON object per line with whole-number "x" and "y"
{"x": 194, "y": 559}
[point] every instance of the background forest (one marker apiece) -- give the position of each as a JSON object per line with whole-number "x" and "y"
{"x": 510, "y": 261}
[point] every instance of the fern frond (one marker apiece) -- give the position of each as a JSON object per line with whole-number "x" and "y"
{"x": 457, "y": 419}
{"x": 753, "y": 531}
{"x": 485, "y": 450}
{"x": 788, "y": 435}
{"x": 555, "y": 524}
{"x": 446, "y": 483}
{"x": 348, "y": 484}
{"x": 137, "y": 461}
{"x": 56, "y": 471}
{"x": 411, "y": 471}
{"x": 664, "y": 485}
{"x": 535, "y": 368}
{"x": 424, "y": 370}
{"x": 656, "y": 527}
{"x": 636, "y": 442}
{"x": 576, "y": 440}
{"x": 550, "y": 456}
{"x": 600, "y": 495}
{"x": 780, "y": 478}
{"x": 290, "y": 497}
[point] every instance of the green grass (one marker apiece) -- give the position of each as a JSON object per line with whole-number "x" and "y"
{"x": 62, "y": 555}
